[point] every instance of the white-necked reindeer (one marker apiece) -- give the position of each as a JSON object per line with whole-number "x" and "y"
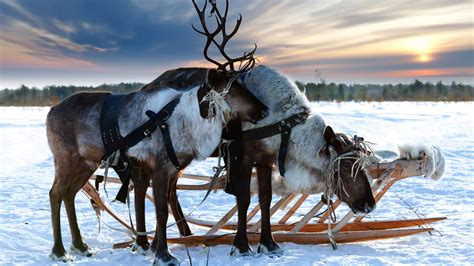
{"x": 74, "y": 136}
{"x": 317, "y": 160}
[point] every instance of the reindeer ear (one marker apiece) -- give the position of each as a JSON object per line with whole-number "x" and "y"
{"x": 216, "y": 79}
{"x": 329, "y": 135}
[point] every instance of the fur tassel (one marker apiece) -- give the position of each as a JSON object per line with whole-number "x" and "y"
{"x": 435, "y": 158}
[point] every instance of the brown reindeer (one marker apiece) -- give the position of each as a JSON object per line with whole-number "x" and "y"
{"x": 308, "y": 158}
{"x": 73, "y": 131}
{"x": 313, "y": 150}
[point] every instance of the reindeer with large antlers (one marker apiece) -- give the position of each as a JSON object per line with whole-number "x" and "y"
{"x": 86, "y": 129}
{"x": 300, "y": 143}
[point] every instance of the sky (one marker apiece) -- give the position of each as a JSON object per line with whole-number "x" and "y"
{"x": 89, "y": 42}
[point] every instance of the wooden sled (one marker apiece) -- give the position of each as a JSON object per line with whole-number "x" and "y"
{"x": 349, "y": 228}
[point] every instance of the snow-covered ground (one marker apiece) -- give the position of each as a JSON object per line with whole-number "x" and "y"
{"x": 27, "y": 171}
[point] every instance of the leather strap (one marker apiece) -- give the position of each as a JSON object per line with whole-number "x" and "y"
{"x": 169, "y": 146}
{"x": 113, "y": 141}
{"x": 155, "y": 119}
{"x": 285, "y": 137}
{"x": 161, "y": 117}
{"x": 283, "y": 128}
{"x": 233, "y": 153}
{"x": 109, "y": 129}
{"x": 273, "y": 129}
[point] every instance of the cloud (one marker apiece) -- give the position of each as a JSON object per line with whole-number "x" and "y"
{"x": 146, "y": 36}
{"x": 26, "y": 45}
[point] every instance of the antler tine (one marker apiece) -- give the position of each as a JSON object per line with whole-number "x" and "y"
{"x": 246, "y": 62}
{"x": 210, "y": 36}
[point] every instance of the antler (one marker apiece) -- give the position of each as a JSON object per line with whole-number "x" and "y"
{"x": 246, "y": 61}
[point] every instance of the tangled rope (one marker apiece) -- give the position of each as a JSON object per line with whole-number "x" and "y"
{"x": 363, "y": 154}
{"x": 218, "y": 103}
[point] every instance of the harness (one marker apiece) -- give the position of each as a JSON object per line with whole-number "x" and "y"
{"x": 233, "y": 149}
{"x": 283, "y": 128}
{"x": 116, "y": 145}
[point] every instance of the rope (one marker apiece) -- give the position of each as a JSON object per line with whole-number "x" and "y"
{"x": 216, "y": 99}
{"x": 362, "y": 152}
{"x": 126, "y": 231}
{"x": 328, "y": 192}
{"x": 207, "y": 256}
{"x": 417, "y": 215}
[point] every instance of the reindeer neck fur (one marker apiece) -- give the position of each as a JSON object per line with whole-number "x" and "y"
{"x": 198, "y": 137}
{"x": 304, "y": 170}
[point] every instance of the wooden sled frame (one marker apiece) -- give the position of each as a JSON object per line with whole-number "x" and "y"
{"x": 349, "y": 228}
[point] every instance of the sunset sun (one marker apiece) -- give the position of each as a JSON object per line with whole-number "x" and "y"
{"x": 422, "y": 48}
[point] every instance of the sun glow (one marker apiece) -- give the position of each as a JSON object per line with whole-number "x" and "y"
{"x": 422, "y": 48}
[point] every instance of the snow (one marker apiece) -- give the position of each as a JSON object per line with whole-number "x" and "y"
{"x": 27, "y": 172}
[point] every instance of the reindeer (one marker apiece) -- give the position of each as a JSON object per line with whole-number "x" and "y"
{"x": 317, "y": 159}
{"x": 196, "y": 119}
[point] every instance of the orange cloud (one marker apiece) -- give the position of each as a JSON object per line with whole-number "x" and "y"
{"x": 431, "y": 72}
{"x": 36, "y": 57}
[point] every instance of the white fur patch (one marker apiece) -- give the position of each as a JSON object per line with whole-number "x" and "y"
{"x": 139, "y": 250}
{"x": 284, "y": 99}
{"x": 66, "y": 258}
{"x": 296, "y": 180}
{"x": 435, "y": 159}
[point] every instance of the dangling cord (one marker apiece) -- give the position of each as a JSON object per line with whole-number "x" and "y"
{"x": 133, "y": 232}
{"x": 112, "y": 160}
{"x": 106, "y": 165}
{"x": 219, "y": 168}
{"x": 329, "y": 192}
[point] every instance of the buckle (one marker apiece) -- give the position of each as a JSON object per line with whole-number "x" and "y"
{"x": 147, "y": 132}
{"x": 165, "y": 114}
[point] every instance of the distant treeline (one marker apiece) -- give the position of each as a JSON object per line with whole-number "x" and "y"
{"x": 50, "y": 95}
{"x": 416, "y": 91}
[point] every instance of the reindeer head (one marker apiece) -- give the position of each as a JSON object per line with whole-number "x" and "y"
{"x": 346, "y": 176}
{"x": 224, "y": 92}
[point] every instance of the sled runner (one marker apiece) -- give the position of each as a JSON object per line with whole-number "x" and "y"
{"x": 306, "y": 230}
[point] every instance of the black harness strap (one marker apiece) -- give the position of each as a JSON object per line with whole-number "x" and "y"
{"x": 160, "y": 119}
{"x": 285, "y": 137}
{"x": 165, "y": 132}
{"x": 273, "y": 129}
{"x": 109, "y": 124}
{"x": 155, "y": 120}
{"x": 113, "y": 140}
{"x": 283, "y": 128}
{"x": 232, "y": 153}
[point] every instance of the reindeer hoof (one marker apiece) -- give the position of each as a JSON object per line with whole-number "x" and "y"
{"x": 142, "y": 249}
{"x": 241, "y": 251}
{"x": 64, "y": 257}
{"x": 271, "y": 249}
{"x": 165, "y": 258}
{"x": 82, "y": 250}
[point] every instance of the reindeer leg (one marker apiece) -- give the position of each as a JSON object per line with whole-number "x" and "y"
{"x": 178, "y": 214}
{"x": 160, "y": 178}
{"x": 241, "y": 243}
{"x": 267, "y": 244}
{"x": 76, "y": 182}
{"x": 140, "y": 185}
{"x": 56, "y": 197}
